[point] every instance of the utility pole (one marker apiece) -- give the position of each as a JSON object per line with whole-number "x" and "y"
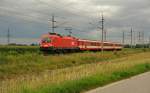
{"x": 123, "y": 38}
{"x": 8, "y": 36}
{"x": 102, "y": 20}
{"x": 69, "y": 30}
{"x": 134, "y": 38}
{"x": 53, "y": 24}
{"x": 139, "y": 37}
{"x": 105, "y": 35}
{"x": 143, "y": 41}
{"x": 149, "y": 41}
{"x": 131, "y": 38}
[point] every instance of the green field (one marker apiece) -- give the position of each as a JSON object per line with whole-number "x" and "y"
{"x": 24, "y": 69}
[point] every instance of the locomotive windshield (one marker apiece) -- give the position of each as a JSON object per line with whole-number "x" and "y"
{"x": 46, "y": 40}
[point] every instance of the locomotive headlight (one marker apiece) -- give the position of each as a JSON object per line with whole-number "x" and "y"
{"x": 72, "y": 43}
{"x": 46, "y": 45}
{"x": 50, "y": 44}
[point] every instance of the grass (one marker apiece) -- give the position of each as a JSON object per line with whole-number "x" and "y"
{"x": 14, "y": 50}
{"x": 79, "y": 78}
{"x": 76, "y": 86}
{"x": 14, "y": 63}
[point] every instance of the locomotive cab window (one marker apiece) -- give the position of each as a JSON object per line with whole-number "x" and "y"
{"x": 46, "y": 40}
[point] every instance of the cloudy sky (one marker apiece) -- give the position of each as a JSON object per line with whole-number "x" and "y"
{"x": 29, "y": 19}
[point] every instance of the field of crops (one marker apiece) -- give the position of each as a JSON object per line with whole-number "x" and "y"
{"x": 32, "y": 72}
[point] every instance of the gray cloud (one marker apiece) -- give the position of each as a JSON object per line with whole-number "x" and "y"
{"x": 26, "y": 17}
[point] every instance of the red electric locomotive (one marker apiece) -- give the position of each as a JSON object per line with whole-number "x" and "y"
{"x": 57, "y": 43}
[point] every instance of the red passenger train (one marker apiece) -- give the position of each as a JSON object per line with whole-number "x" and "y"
{"x": 57, "y": 43}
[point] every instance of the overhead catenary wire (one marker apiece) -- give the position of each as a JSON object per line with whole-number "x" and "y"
{"x": 69, "y": 29}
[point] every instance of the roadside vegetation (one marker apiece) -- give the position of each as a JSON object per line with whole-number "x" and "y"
{"x": 33, "y": 72}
